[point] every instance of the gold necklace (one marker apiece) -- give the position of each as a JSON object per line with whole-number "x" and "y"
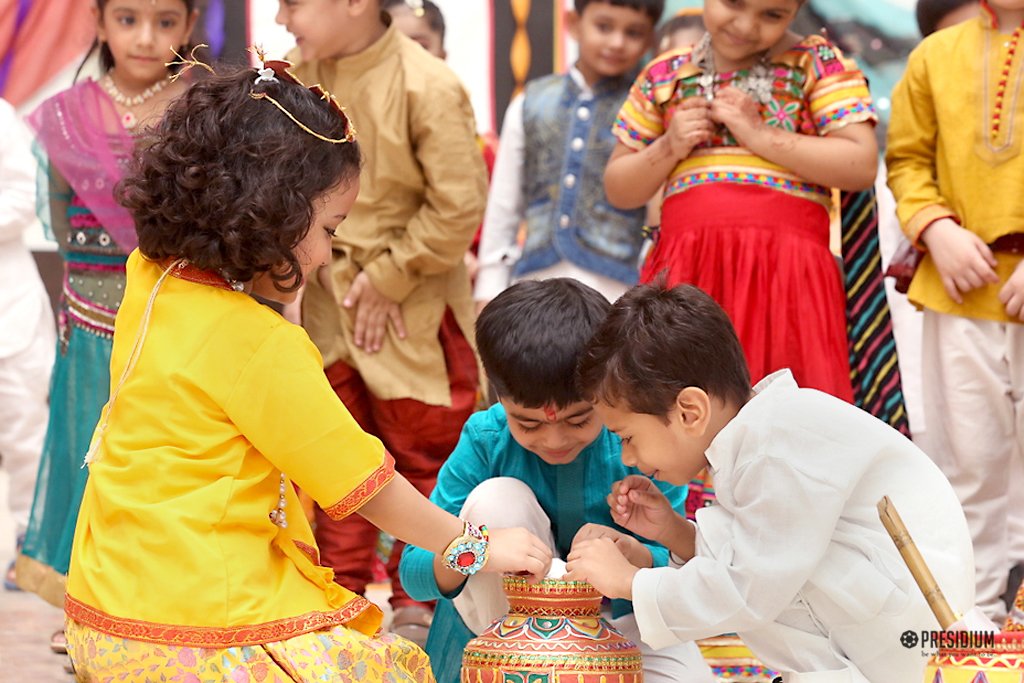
{"x": 129, "y": 120}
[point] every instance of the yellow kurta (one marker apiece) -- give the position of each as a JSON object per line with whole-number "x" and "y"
{"x": 422, "y": 193}
{"x": 174, "y": 543}
{"x": 944, "y": 160}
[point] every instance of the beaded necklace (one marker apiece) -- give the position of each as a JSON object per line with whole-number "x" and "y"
{"x": 129, "y": 120}
{"x": 994, "y": 117}
{"x": 757, "y": 82}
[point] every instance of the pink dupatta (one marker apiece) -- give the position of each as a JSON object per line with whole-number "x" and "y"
{"x": 81, "y": 133}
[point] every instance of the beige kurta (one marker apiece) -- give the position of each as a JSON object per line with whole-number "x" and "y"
{"x": 422, "y": 195}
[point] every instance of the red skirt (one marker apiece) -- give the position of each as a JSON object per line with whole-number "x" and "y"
{"x": 764, "y": 257}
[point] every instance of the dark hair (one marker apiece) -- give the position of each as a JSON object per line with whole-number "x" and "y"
{"x": 930, "y": 13}
{"x": 431, "y": 12}
{"x": 679, "y": 22}
{"x": 657, "y": 342}
{"x": 530, "y": 338}
{"x": 229, "y": 182}
{"x": 107, "y": 57}
{"x": 652, "y": 8}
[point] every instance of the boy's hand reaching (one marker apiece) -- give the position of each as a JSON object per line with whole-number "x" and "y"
{"x": 633, "y": 550}
{"x": 640, "y": 506}
{"x": 690, "y": 126}
{"x": 373, "y": 312}
{"x": 963, "y": 260}
{"x": 600, "y": 562}
{"x": 1012, "y": 293}
{"x": 517, "y": 551}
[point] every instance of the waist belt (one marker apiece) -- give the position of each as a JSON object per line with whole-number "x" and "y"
{"x": 1009, "y": 244}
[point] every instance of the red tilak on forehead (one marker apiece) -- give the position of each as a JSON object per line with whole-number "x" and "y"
{"x": 550, "y": 413}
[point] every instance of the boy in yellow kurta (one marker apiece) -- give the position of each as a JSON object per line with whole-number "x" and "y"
{"x": 956, "y": 169}
{"x": 191, "y": 556}
{"x": 396, "y": 332}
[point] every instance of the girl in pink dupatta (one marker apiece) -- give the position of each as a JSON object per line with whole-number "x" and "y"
{"x": 86, "y": 134}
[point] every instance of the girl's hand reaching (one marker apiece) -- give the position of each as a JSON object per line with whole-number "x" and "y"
{"x": 964, "y": 261}
{"x": 691, "y": 125}
{"x": 738, "y": 112}
{"x": 517, "y": 551}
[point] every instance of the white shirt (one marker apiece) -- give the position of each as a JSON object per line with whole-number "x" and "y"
{"x": 499, "y": 250}
{"x": 794, "y": 558}
{"x": 22, "y": 296}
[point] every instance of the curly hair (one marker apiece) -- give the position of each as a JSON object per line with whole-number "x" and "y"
{"x": 229, "y": 182}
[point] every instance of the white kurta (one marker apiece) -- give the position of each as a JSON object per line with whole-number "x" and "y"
{"x": 794, "y": 558}
{"x": 27, "y": 337}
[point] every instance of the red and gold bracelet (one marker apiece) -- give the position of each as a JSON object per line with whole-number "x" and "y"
{"x": 467, "y": 553}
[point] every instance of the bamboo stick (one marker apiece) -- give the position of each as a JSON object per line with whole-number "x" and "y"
{"x": 915, "y": 563}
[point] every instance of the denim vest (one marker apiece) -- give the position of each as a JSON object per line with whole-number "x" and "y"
{"x": 568, "y": 142}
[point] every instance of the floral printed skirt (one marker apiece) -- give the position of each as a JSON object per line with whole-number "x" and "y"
{"x": 336, "y": 654}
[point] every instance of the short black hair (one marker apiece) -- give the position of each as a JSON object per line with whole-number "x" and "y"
{"x": 530, "y": 338}
{"x": 652, "y": 8}
{"x": 656, "y": 342}
{"x": 930, "y": 13}
{"x": 229, "y": 182}
{"x": 431, "y": 12}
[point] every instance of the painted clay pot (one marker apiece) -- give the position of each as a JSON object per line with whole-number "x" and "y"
{"x": 553, "y": 633}
{"x": 1002, "y": 662}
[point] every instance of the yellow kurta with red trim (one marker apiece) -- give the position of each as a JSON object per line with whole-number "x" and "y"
{"x": 174, "y": 542}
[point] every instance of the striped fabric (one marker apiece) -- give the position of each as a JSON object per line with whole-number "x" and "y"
{"x": 874, "y": 370}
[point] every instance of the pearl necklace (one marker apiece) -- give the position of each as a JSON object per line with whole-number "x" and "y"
{"x": 277, "y": 515}
{"x": 129, "y": 119}
{"x": 758, "y": 82}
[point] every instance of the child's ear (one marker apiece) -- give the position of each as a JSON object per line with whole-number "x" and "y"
{"x": 693, "y": 410}
{"x": 572, "y": 24}
{"x": 101, "y": 32}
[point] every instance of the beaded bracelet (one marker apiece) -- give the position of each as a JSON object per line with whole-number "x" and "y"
{"x": 467, "y": 553}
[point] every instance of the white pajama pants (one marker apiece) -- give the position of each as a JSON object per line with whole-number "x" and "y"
{"x": 973, "y": 382}
{"x": 505, "y": 502}
{"x": 24, "y": 388}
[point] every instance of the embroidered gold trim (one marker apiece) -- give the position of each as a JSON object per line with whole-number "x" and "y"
{"x": 212, "y": 636}
{"x": 370, "y": 487}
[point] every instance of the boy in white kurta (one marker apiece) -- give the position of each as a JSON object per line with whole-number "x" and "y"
{"x": 793, "y": 557}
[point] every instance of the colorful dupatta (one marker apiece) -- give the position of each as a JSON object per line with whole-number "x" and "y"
{"x": 81, "y": 133}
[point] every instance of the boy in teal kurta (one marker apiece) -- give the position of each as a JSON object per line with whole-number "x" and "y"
{"x": 539, "y": 458}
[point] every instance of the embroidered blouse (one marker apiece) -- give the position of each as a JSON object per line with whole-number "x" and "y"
{"x": 815, "y": 90}
{"x": 174, "y": 542}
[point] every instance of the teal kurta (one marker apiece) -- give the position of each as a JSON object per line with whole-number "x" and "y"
{"x": 486, "y": 450}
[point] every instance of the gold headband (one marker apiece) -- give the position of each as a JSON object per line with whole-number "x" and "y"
{"x": 274, "y": 69}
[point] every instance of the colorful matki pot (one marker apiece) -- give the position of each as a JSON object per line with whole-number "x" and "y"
{"x": 553, "y": 633}
{"x": 1003, "y": 662}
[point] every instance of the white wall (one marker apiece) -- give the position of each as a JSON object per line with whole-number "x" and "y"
{"x": 468, "y": 44}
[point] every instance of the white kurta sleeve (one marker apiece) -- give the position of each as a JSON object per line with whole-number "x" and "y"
{"x": 505, "y": 208}
{"x": 752, "y": 557}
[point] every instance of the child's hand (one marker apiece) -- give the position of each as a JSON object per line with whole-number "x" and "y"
{"x": 373, "y": 312}
{"x": 633, "y": 550}
{"x": 517, "y": 551}
{"x": 963, "y": 260}
{"x": 600, "y": 562}
{"x": 640, "y": 506}
{"x": 1012, "y": 293}
{"x": 690, "y": 126}
{"x": 738, "y": 112}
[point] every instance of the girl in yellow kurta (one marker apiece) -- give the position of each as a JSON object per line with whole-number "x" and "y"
{"x": 192, "y": 560}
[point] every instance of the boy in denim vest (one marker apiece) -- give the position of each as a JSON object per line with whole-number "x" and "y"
{"x": 555, "y": 142}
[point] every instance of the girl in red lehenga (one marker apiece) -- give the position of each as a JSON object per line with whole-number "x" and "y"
{"x": 752, "y": 127}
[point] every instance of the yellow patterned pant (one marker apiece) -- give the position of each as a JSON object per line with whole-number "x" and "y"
{"x": 337, "y": 654}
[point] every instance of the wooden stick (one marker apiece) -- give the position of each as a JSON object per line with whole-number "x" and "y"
{"x": 915, "y": 563}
